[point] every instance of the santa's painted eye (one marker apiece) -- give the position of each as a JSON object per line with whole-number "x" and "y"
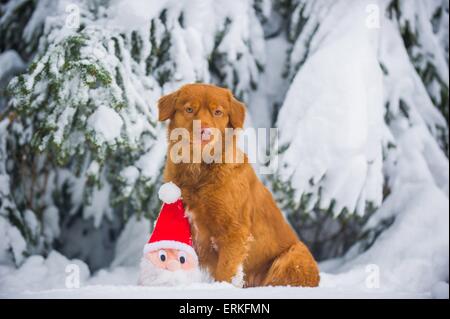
{"x": 162, "y": 255}
{"x": 189, "y": 110}
{"x": 218, "y": 113}
{"x": 182, "y": 257}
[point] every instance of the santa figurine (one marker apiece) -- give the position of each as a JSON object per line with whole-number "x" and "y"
{"x": 169, "y": 258}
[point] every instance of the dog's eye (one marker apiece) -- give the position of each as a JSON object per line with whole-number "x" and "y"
{"x": 162, "y": 255}
{"x": 189, "y": 110}
{"x": 218, "y": 113}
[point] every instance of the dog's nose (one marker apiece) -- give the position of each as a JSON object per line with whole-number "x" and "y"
{"x": 205, "y": 125}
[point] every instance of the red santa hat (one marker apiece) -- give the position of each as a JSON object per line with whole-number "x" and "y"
{"x": 172, "y": 229}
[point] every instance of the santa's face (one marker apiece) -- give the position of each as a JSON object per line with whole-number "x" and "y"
{"x": 172, "y": 259}
{"x": 168, "y": 267}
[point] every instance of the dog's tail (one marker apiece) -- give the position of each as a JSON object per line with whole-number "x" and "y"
{"x": 295, "y": 267}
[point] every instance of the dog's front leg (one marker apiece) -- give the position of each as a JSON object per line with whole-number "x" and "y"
{"x": 232, "y": 251}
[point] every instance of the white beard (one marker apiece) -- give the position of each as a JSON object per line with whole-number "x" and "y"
{"x": 150, "y": 275}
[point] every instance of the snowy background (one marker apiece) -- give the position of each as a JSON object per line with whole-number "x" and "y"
{"x": 359, "y": 92}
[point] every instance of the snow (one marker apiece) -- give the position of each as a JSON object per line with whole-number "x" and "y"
{"x": 150, "y": 163}
{"x": 429, "y": 50}
{"x": 47, "y": 278}
{"x": 37, "y": 19}
{"x": 271, "y": 86}
{"x": 137, "y": 230}
{"x": 51, "y": 223}
{"x": 4, "y": 177}
{"x": 130, "y": 174}
{"x": 10, "y": 62}
{"x": 415, "y": 133}
{"x": 12, "y": 240}
{"x": 38, "y": 273}
{"x": 64, "y": 120}
{"x": 205, "y": 291}
{"x": 339, "y": 148}
{"x": 12, "y": 243}
{"x": 238, "y": 278}
{"x": 169, "y": 193}
{"x": 99, "y": 205}
{"x": 440, "y": 290}
{"x": 32, "y": 223}
{"x": 134, "y": 13}
{"x": 332, "y": 133}
{"x": 93, "y": 169}
{"x": 106, "y": 123}
{"x": 407, "y": 256}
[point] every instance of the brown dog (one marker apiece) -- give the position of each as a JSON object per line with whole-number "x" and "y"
{"x": 237, "y": 228}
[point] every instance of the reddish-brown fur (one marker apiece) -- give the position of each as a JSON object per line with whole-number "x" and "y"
{"x": 235, "y": 220}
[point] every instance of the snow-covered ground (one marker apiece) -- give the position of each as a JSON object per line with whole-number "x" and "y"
{"x": 208, "y": 291}
{"x": 40, "y": 278}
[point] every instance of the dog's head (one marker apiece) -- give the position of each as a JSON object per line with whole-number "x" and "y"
{"x": 209, "y": 108}
{"x": 214, "y": 106}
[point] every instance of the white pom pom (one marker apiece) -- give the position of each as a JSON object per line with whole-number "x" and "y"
{"x": 169, "y": 193}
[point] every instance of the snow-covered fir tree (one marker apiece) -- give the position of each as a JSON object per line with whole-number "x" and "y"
{"x": 83, "y": 118}
{"x": 336, "y": 142}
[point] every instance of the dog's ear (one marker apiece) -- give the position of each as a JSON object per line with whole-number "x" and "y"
{"x": 166, "y": 106}
{"x": 237, "y": 112}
